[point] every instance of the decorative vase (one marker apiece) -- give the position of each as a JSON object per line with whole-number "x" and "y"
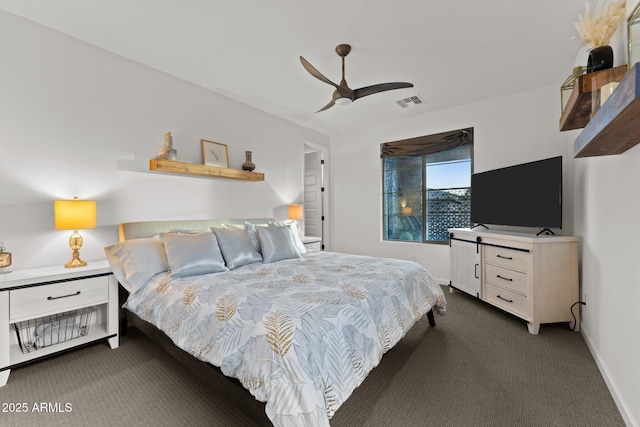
{"x": 248, "y": 165}
{"x": 600, "y": 58}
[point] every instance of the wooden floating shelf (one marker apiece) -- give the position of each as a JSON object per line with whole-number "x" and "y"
{"x": 577, "y": 112}
{"x": 184, "y": 168}
{"x": 615, "y": 127}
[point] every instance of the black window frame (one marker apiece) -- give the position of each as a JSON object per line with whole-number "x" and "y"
{"x": 423, "y": 147}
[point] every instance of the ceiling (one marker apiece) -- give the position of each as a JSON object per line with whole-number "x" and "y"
{"x": 455, "y": 52}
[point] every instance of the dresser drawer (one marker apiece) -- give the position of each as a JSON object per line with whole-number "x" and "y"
{"x": 506, "y": 299}
{"x": 57, "y": 297}
{"x": 506, "y": 278}
{"x": 510, "y": 258}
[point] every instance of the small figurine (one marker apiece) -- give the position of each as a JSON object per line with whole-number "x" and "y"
{"x": 167, "y": 152}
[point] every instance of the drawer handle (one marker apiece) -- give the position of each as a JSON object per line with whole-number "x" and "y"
{"x": 63, "y": 296}
{"x": 504, "y": 299}
{"x": 504, "y": 278}
{"x": 504, "y": 257}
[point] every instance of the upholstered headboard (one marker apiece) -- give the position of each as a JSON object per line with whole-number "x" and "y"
{"x": 137, "y": 230}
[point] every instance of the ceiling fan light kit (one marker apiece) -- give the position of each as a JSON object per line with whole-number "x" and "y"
{"x": 343, "y": 101}
{"x": 344, "y": 95}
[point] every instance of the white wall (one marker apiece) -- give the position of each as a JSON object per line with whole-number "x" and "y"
{"x": 76, "y": 120}
{"x": 507, "y": 131}
{"x": 606, "y": 213}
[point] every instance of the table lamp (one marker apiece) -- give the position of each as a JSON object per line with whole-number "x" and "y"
{"x": 5, "y": 259}
{"x": 296, "y": 212}
{"x": 75, "y": 215}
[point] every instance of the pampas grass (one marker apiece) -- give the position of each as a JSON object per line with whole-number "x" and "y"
{"x": 598, "y": 32}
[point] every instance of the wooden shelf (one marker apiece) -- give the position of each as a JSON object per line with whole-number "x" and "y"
{"x": 184, "y": 168}
{"x": 616, "y": 125}
{"x": 577, "y": 112}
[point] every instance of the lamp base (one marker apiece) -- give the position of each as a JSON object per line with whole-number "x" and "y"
{"x": 75, "y": 260}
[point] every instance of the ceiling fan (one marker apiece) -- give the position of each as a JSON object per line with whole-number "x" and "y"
{"x": 343, "y": 94}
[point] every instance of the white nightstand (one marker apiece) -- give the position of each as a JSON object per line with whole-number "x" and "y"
{"x": 42, "y": 295}
{"x": 311, "y": 243}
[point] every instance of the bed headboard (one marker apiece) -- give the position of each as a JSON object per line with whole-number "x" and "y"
{"x": 137, "y": 230}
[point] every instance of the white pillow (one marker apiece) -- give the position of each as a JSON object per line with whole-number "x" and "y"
{"x": 294, "y": 229}
{"x": 277, "y": 243}
{"x": 135, "y": 261}
{"x": 192, "y": 254}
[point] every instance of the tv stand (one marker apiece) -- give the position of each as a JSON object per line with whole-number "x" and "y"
{"x": 533, "y": 277}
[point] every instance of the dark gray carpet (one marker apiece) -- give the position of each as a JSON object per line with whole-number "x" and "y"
{"x": 478, "y": 367}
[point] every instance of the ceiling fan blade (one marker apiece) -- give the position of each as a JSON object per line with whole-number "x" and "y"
{"x": 370, "y": 90}
{"x": 315, "y": 73}
{"x": 326, "y": 107}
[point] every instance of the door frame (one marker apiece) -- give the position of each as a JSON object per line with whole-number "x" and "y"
{"x": 311, "y": 147}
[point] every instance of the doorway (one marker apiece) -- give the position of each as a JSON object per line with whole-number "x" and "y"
{"x": 315, "y": 219}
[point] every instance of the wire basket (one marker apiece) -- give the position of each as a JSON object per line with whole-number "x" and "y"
{"x": 41, "y": 332}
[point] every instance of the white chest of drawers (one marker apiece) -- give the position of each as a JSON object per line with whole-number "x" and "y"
{"x": 532, "y": 277}
{"x": 36, "y": 293}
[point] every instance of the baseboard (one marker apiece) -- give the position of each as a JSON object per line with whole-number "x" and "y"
{"x": 613, "y": 389}
{"x": 442, "y": 282}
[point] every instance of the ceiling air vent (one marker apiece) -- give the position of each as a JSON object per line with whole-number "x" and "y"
{"x": 410, "y": 101}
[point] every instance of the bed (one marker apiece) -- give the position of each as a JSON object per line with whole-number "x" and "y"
{"x": 298, "y": 331}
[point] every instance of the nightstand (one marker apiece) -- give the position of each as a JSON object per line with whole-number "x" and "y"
{"x": 311, "y": 243}
{"x": 47, "y": 310}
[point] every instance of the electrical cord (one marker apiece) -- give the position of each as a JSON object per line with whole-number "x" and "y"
{"x": 575, "y": 322}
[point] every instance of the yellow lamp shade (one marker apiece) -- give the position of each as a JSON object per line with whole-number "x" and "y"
{"x": 296, "y": 212}
{"x": 74, "y": 214}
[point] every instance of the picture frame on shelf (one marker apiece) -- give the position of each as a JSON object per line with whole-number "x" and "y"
{"x": 214, "y": 154}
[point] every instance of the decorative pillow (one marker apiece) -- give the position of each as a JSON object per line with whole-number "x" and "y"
{"x": 296, "y": 235}
{"x": 192, "y": 254}
{"x": 135, "y": 261}
{"x": 236, "y": 247}
{"x": 277, "y": 243}
{"x": 252, "y": 232}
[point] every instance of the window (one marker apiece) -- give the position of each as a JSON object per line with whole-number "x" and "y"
{"x": 426, "y": 186}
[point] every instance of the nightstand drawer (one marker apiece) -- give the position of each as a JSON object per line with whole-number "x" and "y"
{"x": 311, "y": 244}
{"x": 57, "y": 297}
{"x": 312, "y": 247}
{"x": 506, "y": 278}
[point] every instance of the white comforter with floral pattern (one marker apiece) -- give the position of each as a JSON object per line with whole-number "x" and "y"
{"x": 300, "y": 334}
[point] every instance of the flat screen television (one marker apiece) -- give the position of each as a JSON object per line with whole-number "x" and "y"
{"x": 525, "y": 195}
